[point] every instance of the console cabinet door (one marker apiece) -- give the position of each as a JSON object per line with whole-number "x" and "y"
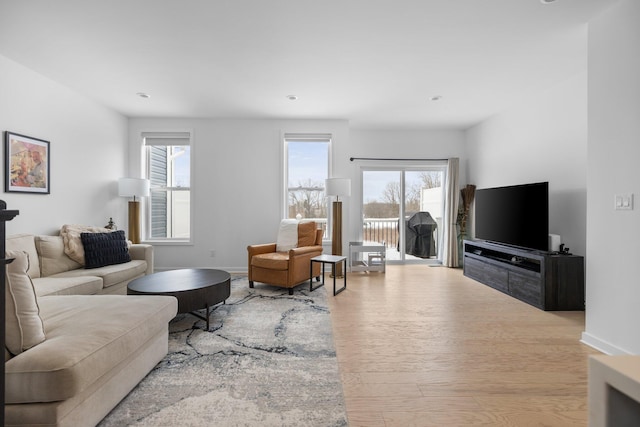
{"x": 497, "y": 278}
{"x": 526, "y": 288}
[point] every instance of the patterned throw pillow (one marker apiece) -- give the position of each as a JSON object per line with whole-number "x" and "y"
{"x": 102, "y": 249}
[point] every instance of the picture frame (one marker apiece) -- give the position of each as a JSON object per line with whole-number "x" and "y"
{"x": 27, "y": 167}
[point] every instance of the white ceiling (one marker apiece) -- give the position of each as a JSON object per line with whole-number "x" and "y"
{"x": 375, "y": 63}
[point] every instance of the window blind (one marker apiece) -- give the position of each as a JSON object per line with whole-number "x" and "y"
{"x": 308, "y": 137}
{"x": 166, "y": 138}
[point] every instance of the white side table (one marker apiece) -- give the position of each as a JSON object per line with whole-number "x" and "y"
{"x": 375, "y": 256}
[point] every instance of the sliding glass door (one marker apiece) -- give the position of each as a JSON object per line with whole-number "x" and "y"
{"x": 403, "y": 207}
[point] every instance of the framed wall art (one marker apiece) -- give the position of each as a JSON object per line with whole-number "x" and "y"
{"x": 26, "y": 163}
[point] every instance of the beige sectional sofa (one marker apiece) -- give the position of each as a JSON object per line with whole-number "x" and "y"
{"x": 75, "y": 352}
{"x": 54, "y": 273}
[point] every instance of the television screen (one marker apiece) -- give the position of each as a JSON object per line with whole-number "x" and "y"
{"x": 517, "y": 215}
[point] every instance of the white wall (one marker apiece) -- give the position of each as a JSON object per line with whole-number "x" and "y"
{"x": 237, "y": 186}
{"x": 613, "y": 270}
{"x": 237, "y": 183}
{"x": 88, "y": 146}
{"x": 542, "y": 139}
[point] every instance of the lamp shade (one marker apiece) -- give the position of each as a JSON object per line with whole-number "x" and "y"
{"x": 338, "y": 187}
{"x": 133, "y": 187}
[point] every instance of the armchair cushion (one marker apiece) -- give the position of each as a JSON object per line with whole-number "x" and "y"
{"x": 306, "y": 234}
{"x": 272, "y": 261}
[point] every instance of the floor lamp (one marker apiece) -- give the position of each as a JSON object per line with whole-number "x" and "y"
{"x": 337, "y": 187}
{"x": 134, "y": 187}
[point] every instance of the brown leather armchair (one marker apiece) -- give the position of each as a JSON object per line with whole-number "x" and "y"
{"x": 286, "y": 269}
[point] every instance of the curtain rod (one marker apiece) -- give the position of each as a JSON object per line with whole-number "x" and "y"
{"x": 397, "y": 160}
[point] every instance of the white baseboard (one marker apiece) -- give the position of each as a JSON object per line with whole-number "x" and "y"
{"x": 601, "y": 345}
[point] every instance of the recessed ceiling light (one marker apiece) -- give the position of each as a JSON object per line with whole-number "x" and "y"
{"x": 547, "y": 1}
{"x": 143, "y": 95}
{"x": 292, "y": 97}
{"x": 436, "y": 98}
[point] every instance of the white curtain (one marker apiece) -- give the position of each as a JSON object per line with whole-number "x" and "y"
{"x": 450, "y": 249}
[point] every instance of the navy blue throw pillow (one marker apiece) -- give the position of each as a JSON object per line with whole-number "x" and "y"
{"x": 102, "y": 249}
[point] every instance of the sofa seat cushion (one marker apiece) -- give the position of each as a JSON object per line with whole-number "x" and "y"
{"x": 111, "y": 274}
{"x": 82, "y": 285}
{"x": 87, "y": 336}
{"x": 271, "y": 260}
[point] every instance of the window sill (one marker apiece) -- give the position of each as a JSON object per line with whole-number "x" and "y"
{"x": 169, "y": 242}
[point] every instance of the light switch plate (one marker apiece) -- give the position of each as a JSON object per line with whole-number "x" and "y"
{"x": 624, "y": 202}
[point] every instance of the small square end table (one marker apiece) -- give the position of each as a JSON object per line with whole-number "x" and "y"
{"x": 333, "y": 260}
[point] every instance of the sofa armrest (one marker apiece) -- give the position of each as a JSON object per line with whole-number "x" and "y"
{"x": 142, "y": 251}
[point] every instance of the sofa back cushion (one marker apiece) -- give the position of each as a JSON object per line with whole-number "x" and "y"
{"x": 53, "y": 259}
{"x": 26, "y": 243}
{"x": 24, "y": 327}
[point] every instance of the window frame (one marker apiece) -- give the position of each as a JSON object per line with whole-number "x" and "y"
{"x": 167, "y": 137}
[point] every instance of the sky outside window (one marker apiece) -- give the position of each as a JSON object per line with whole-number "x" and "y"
{"x": 182, "y": 166}
{"x": 308, "y": 161}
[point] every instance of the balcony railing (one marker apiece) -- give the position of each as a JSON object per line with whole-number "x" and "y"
{"x": 379, "y": 230}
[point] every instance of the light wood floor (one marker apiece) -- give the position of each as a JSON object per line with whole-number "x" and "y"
{"x": 426, "y": 346}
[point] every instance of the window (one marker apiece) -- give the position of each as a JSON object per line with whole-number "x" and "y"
{"x": 168, "y": 167}
{"x": 307, "y": 168}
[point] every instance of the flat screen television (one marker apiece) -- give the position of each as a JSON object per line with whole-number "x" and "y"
{"x": 516, "y": 215}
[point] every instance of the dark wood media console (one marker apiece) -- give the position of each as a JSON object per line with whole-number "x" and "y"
{"x": 547, "y": 281}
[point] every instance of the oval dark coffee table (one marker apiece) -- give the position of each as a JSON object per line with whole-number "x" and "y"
{"x": 195, "y": 288}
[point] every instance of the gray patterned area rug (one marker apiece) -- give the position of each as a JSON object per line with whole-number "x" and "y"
{"x": 267, "y": 360}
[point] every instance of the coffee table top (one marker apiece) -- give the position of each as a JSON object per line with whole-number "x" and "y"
{"x": 187, "y": 279}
